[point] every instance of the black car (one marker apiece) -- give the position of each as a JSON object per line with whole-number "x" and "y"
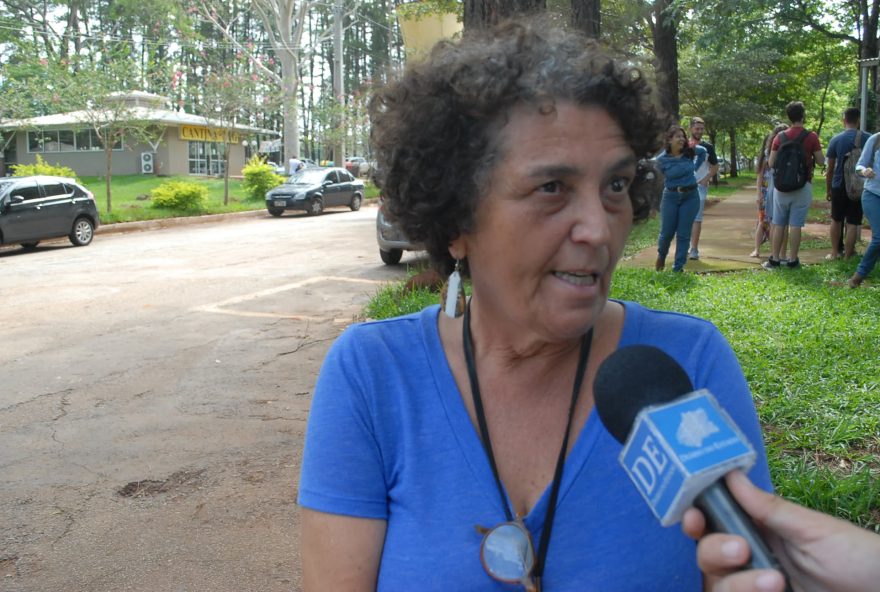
{"x": 313, "y": 190}
{"x": 42, "y": 207}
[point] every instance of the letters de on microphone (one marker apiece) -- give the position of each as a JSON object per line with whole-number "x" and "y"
{"x": 678, "y": 449}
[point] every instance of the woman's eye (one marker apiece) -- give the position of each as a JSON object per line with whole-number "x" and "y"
{"x": 619, "y": 184}
{"x": 551, "y": 187}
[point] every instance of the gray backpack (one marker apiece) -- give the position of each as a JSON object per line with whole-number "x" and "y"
{"x": 853, "y": 181}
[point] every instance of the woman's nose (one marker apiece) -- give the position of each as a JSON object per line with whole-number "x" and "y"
{"x": 591, "y": 224}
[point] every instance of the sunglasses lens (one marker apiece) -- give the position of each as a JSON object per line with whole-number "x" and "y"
{"x": 507, "y": 552}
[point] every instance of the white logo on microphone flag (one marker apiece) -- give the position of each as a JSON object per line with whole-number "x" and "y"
{"x": 695, "y": 427}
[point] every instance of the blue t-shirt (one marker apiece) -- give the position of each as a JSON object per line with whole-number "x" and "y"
{"x": 839, "y": 146}
{"x": 389, "y": 437}
{"x": 679, "y": 171}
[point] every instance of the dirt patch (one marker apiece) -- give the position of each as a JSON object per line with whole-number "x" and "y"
{"x": 7, "y": 566}
{"x": 177, "y": 482}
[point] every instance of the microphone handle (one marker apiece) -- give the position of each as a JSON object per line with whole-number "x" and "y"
{"x": 724, "y": 514}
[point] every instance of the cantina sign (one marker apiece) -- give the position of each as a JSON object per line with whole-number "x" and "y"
{"x": 198, "y": 133}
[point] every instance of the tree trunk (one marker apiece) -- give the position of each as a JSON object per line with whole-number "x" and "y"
{"x": 481, "y": 14}
{"x": 734, "y": 159}
{"x": 226, "y": 152}
{"x": 666, "y": 56}
{"x": 585, "y": 16}
{"x": 108, "y": 153}
{"x": 289, "y": 84}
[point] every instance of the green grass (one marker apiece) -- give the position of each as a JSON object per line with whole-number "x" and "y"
{"x": 126, "y": 189}
{"x": 809, "y": 351}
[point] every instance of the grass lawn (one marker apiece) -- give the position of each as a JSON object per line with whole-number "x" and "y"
{"x": 808, "y": 349}
{"x": 128, "y": 193}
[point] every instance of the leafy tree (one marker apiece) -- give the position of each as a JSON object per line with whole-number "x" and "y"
{"x": 586, "y": 16}
{"x": 15, "y": 105}
{"x": 94, "y": 95}
{"x": 664, "y": 32}
{"x": 284, "y": 22}
{"x": 229, "y": 99}
{"x": 485, "y": 13}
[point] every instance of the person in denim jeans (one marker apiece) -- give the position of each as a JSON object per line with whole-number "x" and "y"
{"x": 681, "y": 201}
{"x": 869, "y": 161}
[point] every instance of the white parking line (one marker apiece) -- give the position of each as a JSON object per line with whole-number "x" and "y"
{"x": 222, "y": 307}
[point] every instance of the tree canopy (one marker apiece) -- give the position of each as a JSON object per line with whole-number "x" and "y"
{"x": 734, "y": 62}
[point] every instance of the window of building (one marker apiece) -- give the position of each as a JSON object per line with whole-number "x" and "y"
{"x": 206, "y": 158}
{"x": 87, "y": 139}
{"x": 43, "y": 141}
{"x": 66, "y": 141}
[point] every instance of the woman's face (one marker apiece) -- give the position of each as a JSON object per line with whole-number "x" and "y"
{"x": 552, "y": 222}
{"x": 677, "y": 140}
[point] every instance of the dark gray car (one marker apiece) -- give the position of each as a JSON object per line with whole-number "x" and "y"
{"x": 312, "y": 190}
{"x": 42, "y": 207}
{"x": 392, "y": 241}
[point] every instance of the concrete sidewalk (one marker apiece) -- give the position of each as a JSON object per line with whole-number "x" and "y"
{"x": 727, "y": 239}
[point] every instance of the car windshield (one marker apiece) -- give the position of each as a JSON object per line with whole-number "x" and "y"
{"x": 5, "y": 184}
{"x": 308, "y": 177}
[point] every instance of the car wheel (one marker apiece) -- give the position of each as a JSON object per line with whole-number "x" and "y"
{"x": 83, "y": 232}
{"x": 356, "y": 200}
{"x": 391, "y": 257}
{"x": 316, "y": 206}
{"x": 276, "y": 211}
{"x": 30, "y": 245}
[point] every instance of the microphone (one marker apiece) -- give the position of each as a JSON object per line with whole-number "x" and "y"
{"x": 678, "y": 444}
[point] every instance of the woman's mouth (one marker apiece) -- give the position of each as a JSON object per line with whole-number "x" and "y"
{"x": 577, "y": 279}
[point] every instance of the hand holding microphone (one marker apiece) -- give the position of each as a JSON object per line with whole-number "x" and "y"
{"x": 821, "y": 553}
{"x": 678, "y": 443}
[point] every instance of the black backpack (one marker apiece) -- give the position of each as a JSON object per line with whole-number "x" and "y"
{"x": 790, "y": 168}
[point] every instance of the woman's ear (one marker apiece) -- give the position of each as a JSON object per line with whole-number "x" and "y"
{"x": 458, "y": 248}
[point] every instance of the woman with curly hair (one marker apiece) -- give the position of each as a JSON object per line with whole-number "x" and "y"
{"x": 461, "y": 452}
{"x": 681, "y": 200}
{"x": 765, "y": 195}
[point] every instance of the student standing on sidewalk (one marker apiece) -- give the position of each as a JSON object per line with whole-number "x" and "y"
{"x": 868, "y": 163}
{"x": 843, "y": 209}
{"x": 792, "y": 202}
{"x": 765, "y": 195}
{"x": 704, "y": 175}
{"x": 680, "y": 201}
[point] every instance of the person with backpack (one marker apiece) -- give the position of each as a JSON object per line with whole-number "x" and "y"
{"x": 793, "y": 156}
{"x": 869, "y": 162}
{"x": 843, "y": 187}
{"x": 765, "y": 195}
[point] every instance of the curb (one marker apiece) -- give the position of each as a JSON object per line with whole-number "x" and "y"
{"x": 158, "y": 224}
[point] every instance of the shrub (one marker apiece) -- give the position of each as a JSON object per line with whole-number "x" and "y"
{"x": 41, "y": 167}
{"x": 259, "y": 177}
{"x": 180, "y": 195}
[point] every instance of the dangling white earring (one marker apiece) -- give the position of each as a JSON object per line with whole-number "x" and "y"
{"x": 453, "y": 298}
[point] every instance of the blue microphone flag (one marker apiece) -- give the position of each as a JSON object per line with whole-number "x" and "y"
{"x": 676, "y": 450}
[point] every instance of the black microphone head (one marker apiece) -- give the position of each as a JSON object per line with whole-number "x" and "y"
{"x": 632, "y": 378}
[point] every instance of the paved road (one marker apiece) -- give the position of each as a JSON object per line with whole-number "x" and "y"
{"x": 153, "y": 395}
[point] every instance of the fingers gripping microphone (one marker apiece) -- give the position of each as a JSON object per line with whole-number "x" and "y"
{"x": 678, "y": 444}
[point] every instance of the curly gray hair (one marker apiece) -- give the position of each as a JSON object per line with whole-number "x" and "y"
{"x": 434, "y": 130}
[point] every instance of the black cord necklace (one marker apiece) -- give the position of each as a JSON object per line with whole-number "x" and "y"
{"x": 586, "y": 341}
